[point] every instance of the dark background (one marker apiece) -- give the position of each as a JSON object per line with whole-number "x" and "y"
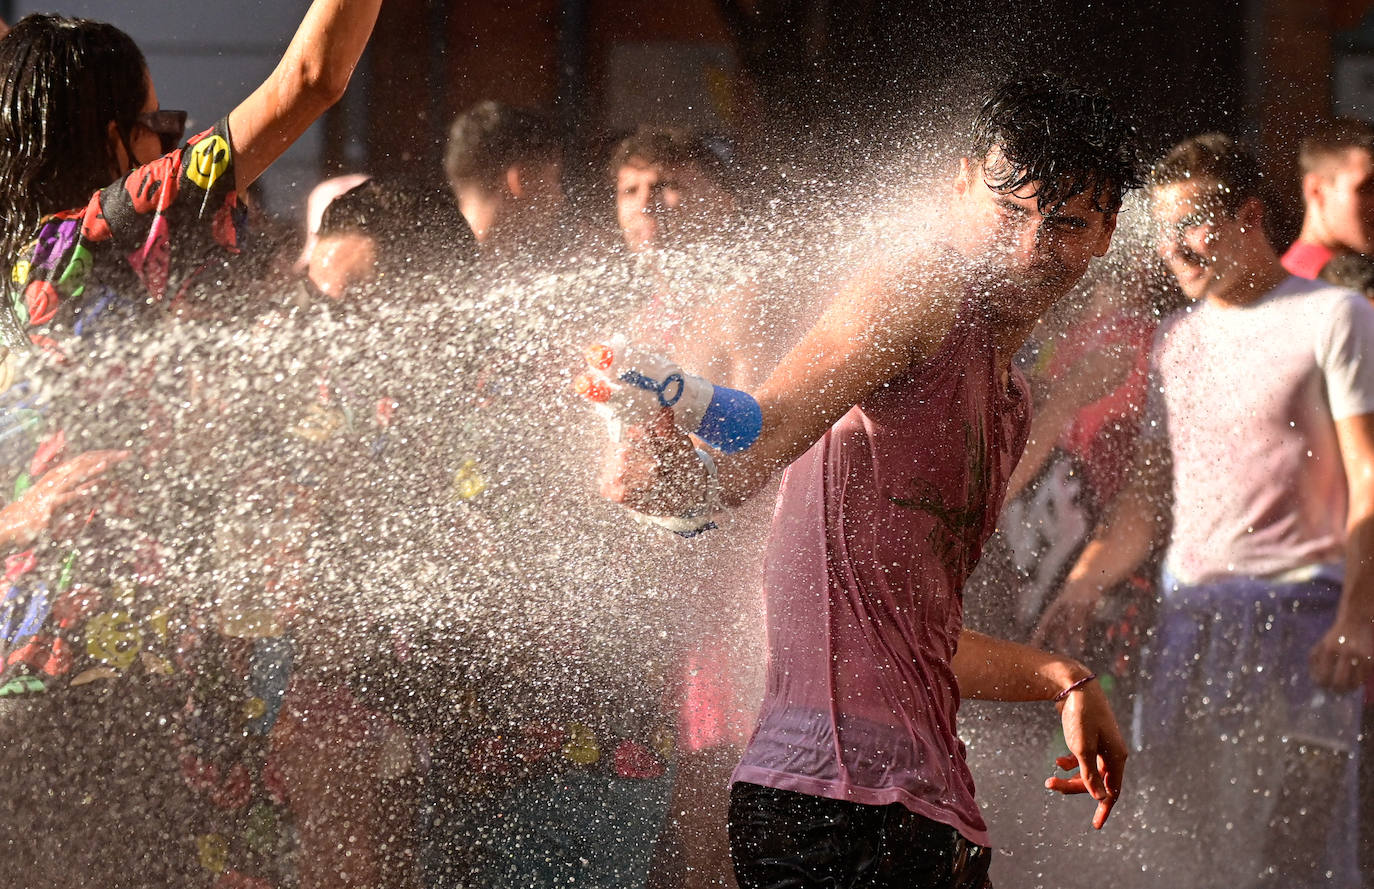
{"x": 815, "y": 79}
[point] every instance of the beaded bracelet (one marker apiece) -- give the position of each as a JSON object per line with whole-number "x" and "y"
{"x": 1075, "y": 687}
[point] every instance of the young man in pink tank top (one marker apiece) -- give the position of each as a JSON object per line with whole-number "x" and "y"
{"x": 899, "y": 419}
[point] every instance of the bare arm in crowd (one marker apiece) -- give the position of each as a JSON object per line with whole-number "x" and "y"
{"x": 1123, "y": 540}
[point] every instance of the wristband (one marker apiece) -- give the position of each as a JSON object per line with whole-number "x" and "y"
{"x": 732, "y": 422}
{"x": 1075, "y": 687}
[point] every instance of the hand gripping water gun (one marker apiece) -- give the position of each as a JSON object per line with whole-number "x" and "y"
{"x": 629, "y": 385}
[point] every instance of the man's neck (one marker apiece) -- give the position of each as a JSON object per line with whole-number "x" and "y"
{"x": 1011, "y": 333}
{"x": 1313, "y": 232}
{"x": 1252, "y": 282}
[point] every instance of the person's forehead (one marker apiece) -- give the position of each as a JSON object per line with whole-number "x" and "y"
{"x": 347, "y": 242}
{"x": 996, "y": 167}
{"x": 1083, "y": 204}
{"x": 636, "y": 170}
{"x": 1178, "y": 199}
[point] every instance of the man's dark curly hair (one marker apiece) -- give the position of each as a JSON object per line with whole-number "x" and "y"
{"x": 1058, "y": 139}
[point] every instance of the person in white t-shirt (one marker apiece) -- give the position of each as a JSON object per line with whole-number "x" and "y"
{"x": 1261, "y": 424}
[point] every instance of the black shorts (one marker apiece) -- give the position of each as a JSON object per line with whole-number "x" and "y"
{"x": 780, "y": 839}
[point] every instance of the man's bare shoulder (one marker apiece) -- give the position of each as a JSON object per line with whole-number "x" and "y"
{"x": 924, "y": 290}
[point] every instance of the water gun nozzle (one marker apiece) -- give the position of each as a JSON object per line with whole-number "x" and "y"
{"x": 591, "y": 388}
{"x": 601, "y": 356}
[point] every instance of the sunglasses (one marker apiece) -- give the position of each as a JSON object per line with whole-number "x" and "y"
{"x": 169, "y": 126}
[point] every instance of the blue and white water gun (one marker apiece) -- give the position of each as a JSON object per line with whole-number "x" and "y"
{"x": 629, "y": 385}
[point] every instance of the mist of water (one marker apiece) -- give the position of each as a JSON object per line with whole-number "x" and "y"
{"x": 404, "y": 486}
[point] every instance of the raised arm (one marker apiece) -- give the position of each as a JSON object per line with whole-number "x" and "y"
{"x": 311, "y": 76}
{"x": 881, "y": 321}
{"x": 878, "y": 324}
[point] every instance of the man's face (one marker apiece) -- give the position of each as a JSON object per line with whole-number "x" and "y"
{"x": 1196, "y": 237}
{"x": 1344, "y": 199}
{"x": 340, "y": 261}
{"x": 662, "y": 204}
{"x": 1037, "y": 255}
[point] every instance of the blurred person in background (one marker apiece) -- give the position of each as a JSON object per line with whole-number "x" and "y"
{"x": 387, "y": 233}
{"x": 320, "y": 197}
{"x": 379, "y": 247}
{"x": 671, "y": 189}
{"x": 1356, "y": 272}
{"x": 1260, "y": 432}
{"x": 1337, "y": 165}
{"x": 679, "y": 218}
{"x": 505, "y": 167}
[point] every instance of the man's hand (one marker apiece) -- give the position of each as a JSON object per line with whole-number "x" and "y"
{"x": 1063, "y": 626}
{"x": 654, "y": 469}
{"x": 1096, "y": 747}
{"x": 1344, "y": 657}
{"x": 22, "y": 521}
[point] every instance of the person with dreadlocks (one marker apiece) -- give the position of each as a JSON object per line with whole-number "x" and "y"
{"x": 899, "y": 418}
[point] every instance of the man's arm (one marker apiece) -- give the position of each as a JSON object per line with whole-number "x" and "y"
{"x": 878, "y": 324}
{"x": 1133, "y": 524}
{"x": 998, "y": 670}
{"x": 1093, "y": 377}
{"x": 1343, "y": 658}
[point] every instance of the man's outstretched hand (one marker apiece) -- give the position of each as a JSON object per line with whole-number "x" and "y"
{"x": 1096, "y": 750}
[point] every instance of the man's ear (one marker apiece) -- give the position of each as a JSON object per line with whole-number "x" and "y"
{"x": 1312, "y": 188}
{"x": 515, "y": 181}
{"x": 1251, "y": 214}
{"x": 1104, "y": 243}
{"x": 963, "y": 178}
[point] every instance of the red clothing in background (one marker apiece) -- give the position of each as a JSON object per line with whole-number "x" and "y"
{"x": 1306, "y": 259}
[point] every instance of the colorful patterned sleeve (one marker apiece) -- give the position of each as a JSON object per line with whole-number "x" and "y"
{"x": 163, "y": 221}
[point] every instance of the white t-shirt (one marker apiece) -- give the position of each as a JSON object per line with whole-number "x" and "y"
{"x": 1248, "y": 398}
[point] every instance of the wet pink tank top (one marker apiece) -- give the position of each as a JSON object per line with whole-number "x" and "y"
{"x": 876, "y": 530}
